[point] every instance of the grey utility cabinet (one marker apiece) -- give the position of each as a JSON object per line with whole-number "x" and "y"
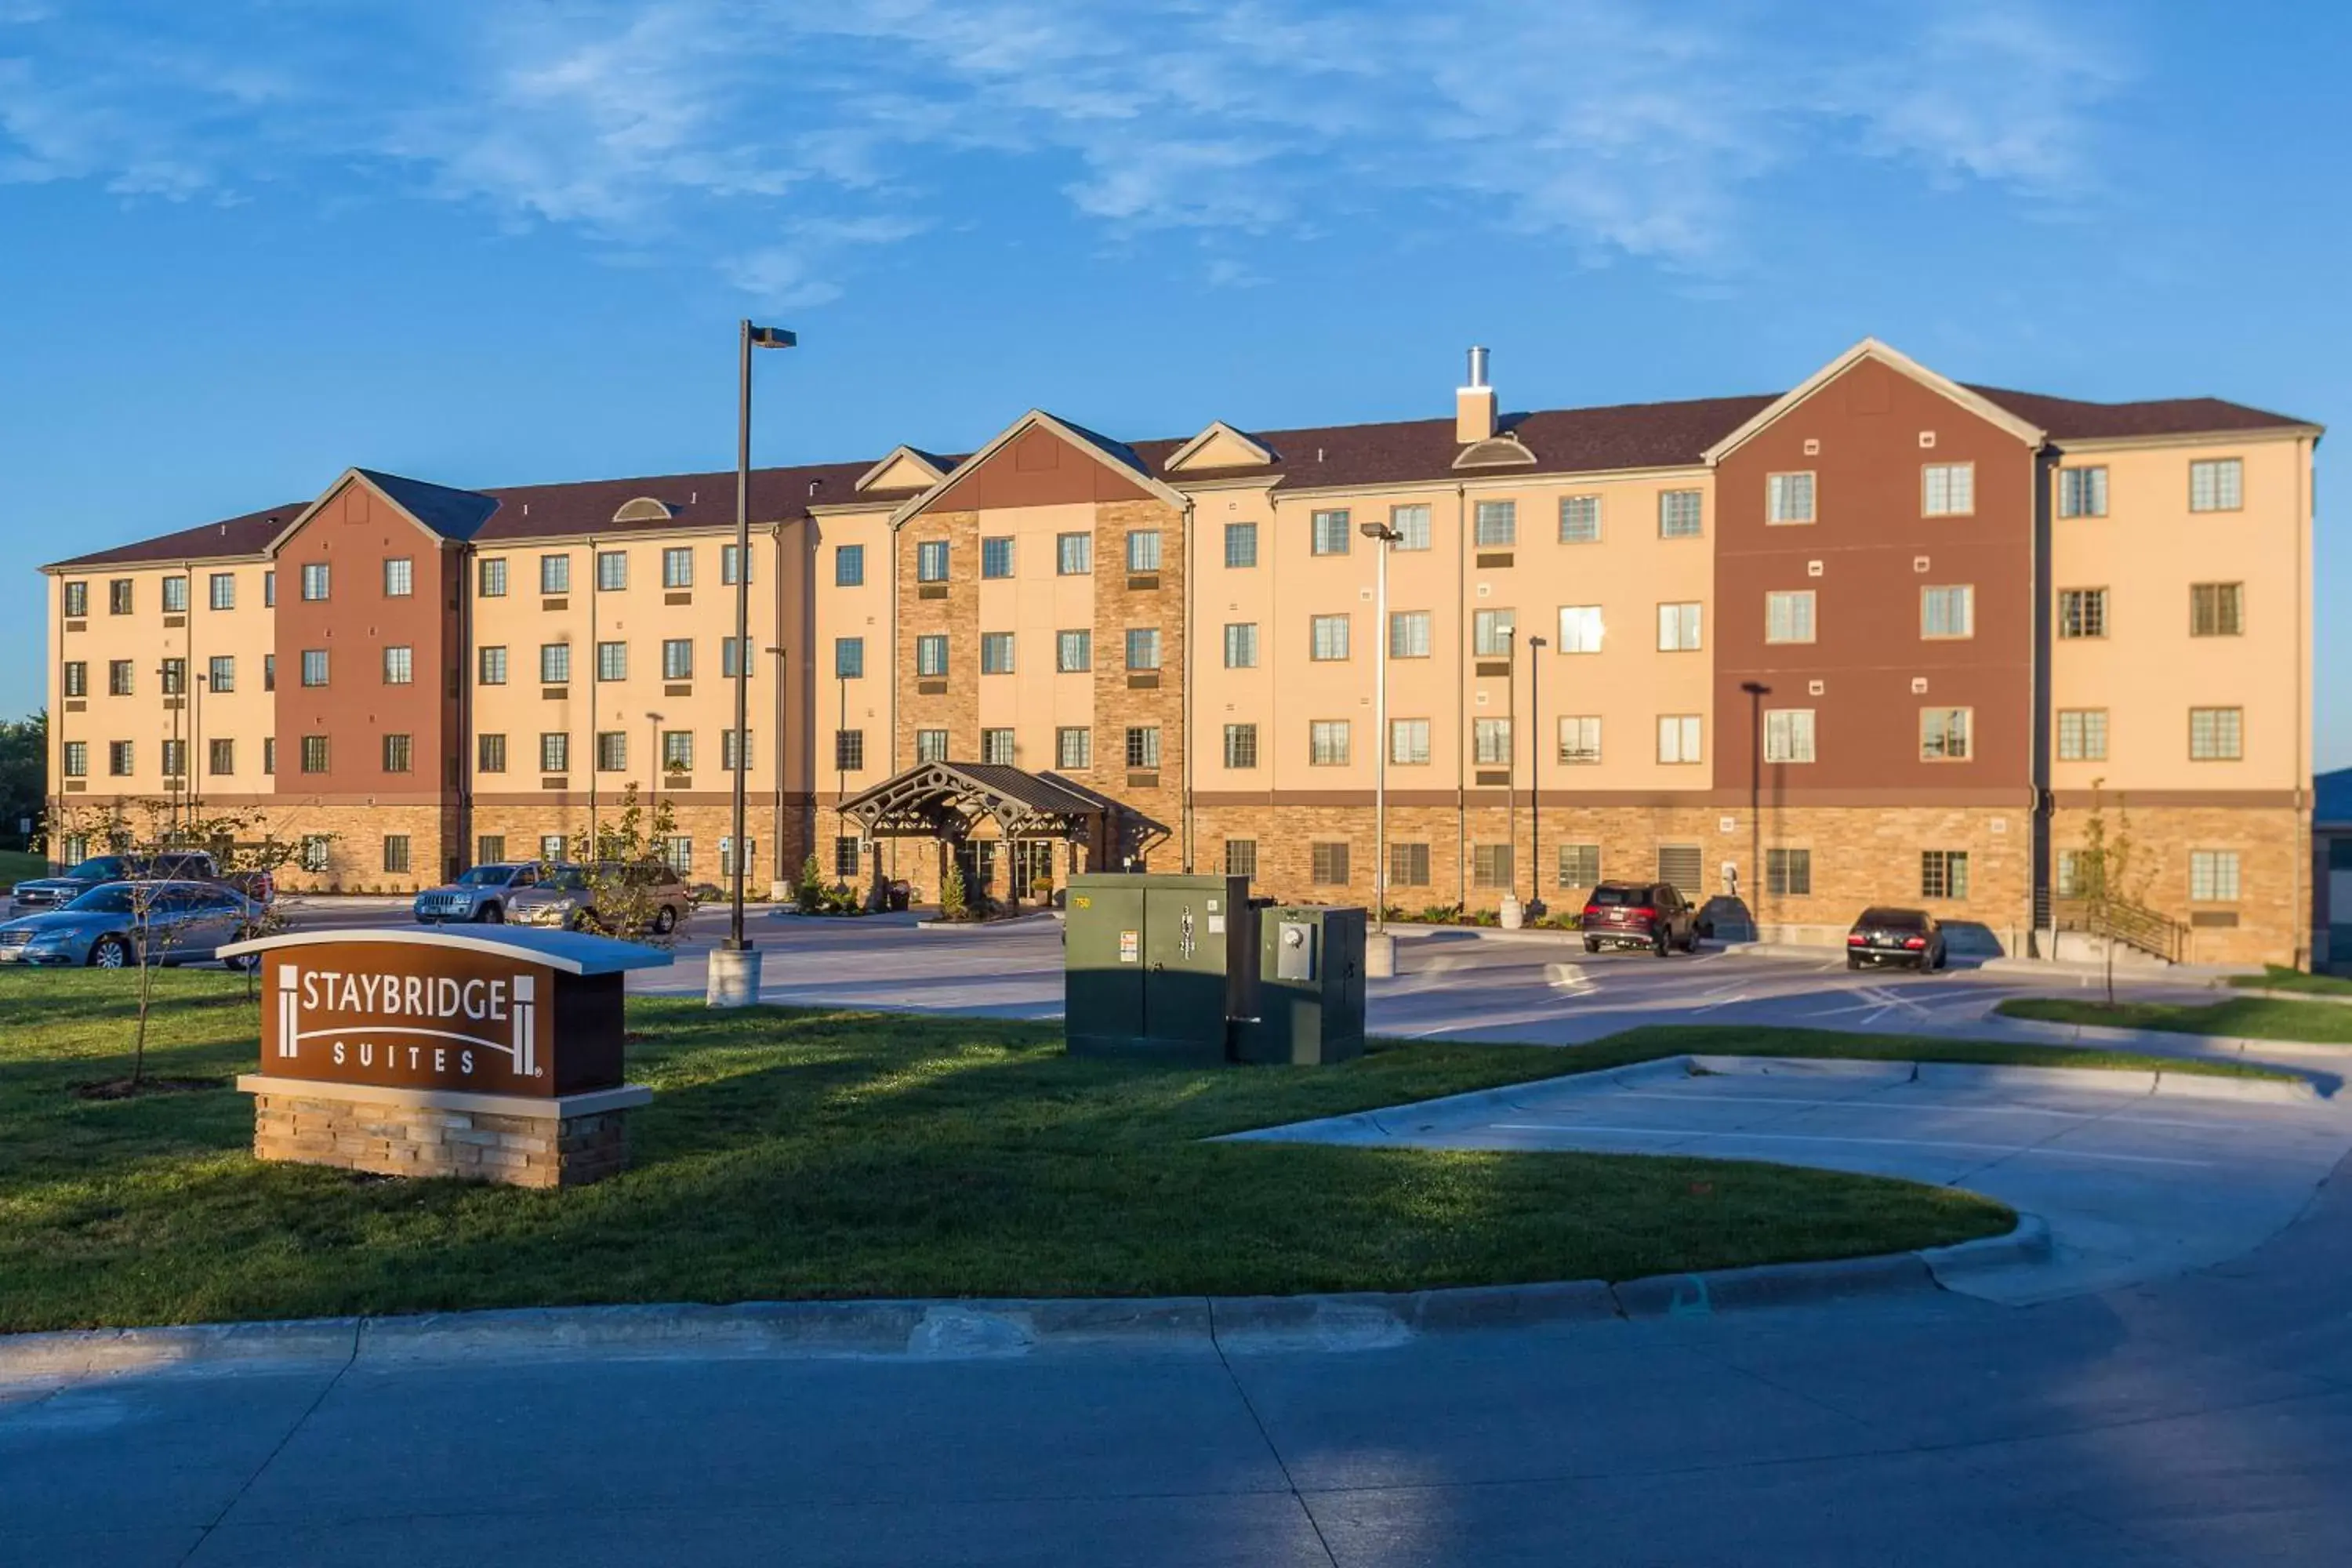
{"x": 1311, "y": 990}
{"x": 1157, "y": 966}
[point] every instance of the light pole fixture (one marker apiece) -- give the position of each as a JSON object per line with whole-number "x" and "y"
{"x": 750, "y": 337}
{"x": 1535, "y": 645}
{"x": 1757, "y": 691}
{"x": 1387, "y": 538}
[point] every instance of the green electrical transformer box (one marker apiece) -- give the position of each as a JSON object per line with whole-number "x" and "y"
{"x": 1157, "y": 966}
{"x": 1311, "y": 990}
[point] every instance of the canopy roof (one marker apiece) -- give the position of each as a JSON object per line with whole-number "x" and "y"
{"x": 948, "y": 800}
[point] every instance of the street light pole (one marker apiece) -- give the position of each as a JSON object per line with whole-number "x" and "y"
{"x": 1380, "y": 957}
{"x": 1535, "y": 645}
{"x": 749, "y": 337}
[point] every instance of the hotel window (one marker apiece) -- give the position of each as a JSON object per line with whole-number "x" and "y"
{"x": 1579, "y": 865}
{"x": 1328, "y": 865}
{"x": 1241, "y": 645}
{"x": 1789, "y": 873}
{"x": 1143, "y": 746}
{"x": 1679, "y": 515}
{"x": 677, "y": 658}
{"x": 847, "y": 856}
{"x": 314, "y": 851}
{"x": 314, "y": 581}
{"x": 932, "y": 654}
{"x": 1073, "y": 652}
{"x": 223, "y": 588}
{"x": 119, "y": 758}
{"x": 77, "y": 677}
{"x": 554, "y": 663}
{"x": 612, "y": 571}
{"x": 1409, "y": 743}
{"x": 1490, "y": 742}
{"x": 269, "y": 672}
{"x": 176, "y": 759}
{"x": 611, "y": 750}
{"x": 849, "y": 566}
{"x": 731, "y": 658}
{"x": 118, "y": 677}
{"x": 727, "y": 867}
{"x": 1946, "y": 614}
{"x": 2217, "y": 609}
{"x": 1143, "y": 647}
{"x": 2217, "y": 484}
{"x": 1579, "y": 520}
{"x": 1944, "y": 734}
{"x": 117, "y": 595}
{"x": 399, "y": 577}
{"x": 555, "y": 573}
{"x": 2217, "y": 734}
{"x": 175, "y": 674}
{"x": 220, "y": 673}
{"x": 1409, "y": 634}
{"x": 1679, "y": 738}
{"x": 677, "y": 854}
{"x": 677, "y": 566}
{"x": 996, "y": 746}
{"x": 1241, "y": 544}
{"x": 848, "y": 751}
{"x": 1410, "y": 524}
{"x": 77, "y": 759}
{"x": 2082, "y": 734}
{"x": 1331, "y": 531}
{"x": 490, "y": 849}
{"x": 1241, "y": 857}
{"x": 490, "y": 666}
{"x": 1496, "y": 524}
{"x": 1074, "y": 748}
{"x": 1407, "y": 865}
{"x": 399, "y": 754}
{"x": 77, "y": 599}
{"x": 930, "y": 745}
{"x": 1143, "y": 550}
{"x": 1677, "y": 628}
{"x": 2213, "y": 875}
{"x": 1789, "y": 498}
{"x": 314, "y": 666}
{"x": 996, "y": 557}
{"x": 270, "y": 754}
{"x": 848, "y": 658}
{"x": 554, "y": 750}
{"x": 996, "y": 653}
{"x": 396, "y": 851}
{"x": 314, "y": 753}
{"x": 1328, "y": 638}
{"x": 727, "y": 559}
{"x": 2083, "y": 492}
{"x": 1789, "y": 736}
{"x": 1074, "y": 555}
{"x": 551, "y": 846}
{"x": 175, "y": 595}
{"x": 1490, "y": 632}
{"x": 490, "y": 580}
{"x": 1326, "y": 744}
{"x": 399, "y": 666}
{"x": 1579, "y": 737}
{"x": 733, "y": 746}
{"x": 1943, "y": 873}
{"x": 1948, "y": 489}
{"x": 678, "y": 750}
{"x": 1490, "y": 865}
{"x": 1580, "y": 629}
{"x": 1241, "y": 745}
{"x": 2082, "y": 612}
{"x": 612, "y": 660}
{"x": 932, "y": 561}
{"x": 1789, "y": 617}
{"x": 489, "y": 753}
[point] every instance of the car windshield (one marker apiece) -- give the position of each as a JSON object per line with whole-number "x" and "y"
{"x": 112, "y": 900}
{"x": 487, "y": 877}
{"x": 101, "y": 869}
{"x": 1898, "y": 919}
{"x": 1621, "y": 894}
{"x": 565, "y": 880}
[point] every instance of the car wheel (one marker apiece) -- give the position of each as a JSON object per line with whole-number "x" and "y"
{"x": 242, "y": 962}
{"x": 1660, "y": 945}
{"x": 111, "y": 953}
{"x": 493, "y": 913}
{"x": 1591, "y": 945}
{"x": 665, "y": 921}
{"x": 1853, "y": 962}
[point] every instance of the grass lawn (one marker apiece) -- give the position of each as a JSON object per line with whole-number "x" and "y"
{"x": 2255, "y": 1017}
{"x": 2276, "y": 977}
{"x": 16, "y": 866}
{"x": 816, "y": 1153}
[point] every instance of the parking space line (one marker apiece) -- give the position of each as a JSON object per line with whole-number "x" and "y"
{"x": 1720, "y": 1135}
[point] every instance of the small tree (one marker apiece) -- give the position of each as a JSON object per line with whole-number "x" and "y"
{"x": 953, "y": 904}
{"x": 618, "y": 863}
{"x": 808, "y": 893}
{"x": 2108, "y": 878}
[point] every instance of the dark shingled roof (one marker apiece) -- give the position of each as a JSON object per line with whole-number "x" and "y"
{"x": 1563, "y": 440}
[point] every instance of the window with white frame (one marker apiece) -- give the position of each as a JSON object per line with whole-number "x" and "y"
{"x": 1789, "y": 616}
{"x": 1580, "y": 628}
{"x": 1948, "y": 489}
{"x": 1411, "y": 525}
{"x": 399, "y": 666}
{"x": 2082, "y": 734}
{"x": 399, "y": 577}
{"x": 1143, "y": 647}
{"x": 1947, "y": 613}
{"x": 1241, "y": 645}
{"x": 2213, "y": 875}
{"x": 1143, "y": 550}
{"x": 1490, "y": 632}
{"x": 996, "y": 653}
{"x": 930, "y": 745}
{"x": 2217, "y": 734}
{"x": 2217, "y": 484}
{"x": 1241, "y": 745}
{"x": 1074, "y": 555}
{"x": 1327, "y": 742}
{"x": 1944, "y": 734}
{"x": 1409, "y": 743}
{"x": 1579, "y": 865}
{"x": 1680, "y": 514}
{"x": 2082, "y": 612}
{"x": 1679, "y": 738}
{"x": 1490, "y": 742}
{"x": 932, "y": 561}
{"x": 1328, "y": 638}
{"x": 1579, "y": 737}
{"x": 1579, "y": 520}
{"x": 1678, "y": 627}
{"x": 1496, "y": 524}
{"x": 1074, "y": 651}
{"x": 2083, "y": 492}
{"x": 932, "y": 654}
{"x": 1329, "y": 532}
{"x": 314, "y": 666}
{"x": 1409, "y": 634}
{"x": 1074, "y": 747}
{"x": 314, "y": 581}
{"x": 1789, "y": 736}
{"x": 1789, "y": 498}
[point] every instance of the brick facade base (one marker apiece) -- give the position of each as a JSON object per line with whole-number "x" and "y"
{"x": 411, "y": 1132}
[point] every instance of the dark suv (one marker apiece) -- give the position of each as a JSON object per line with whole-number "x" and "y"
{"x": 1640, "y": 914}
{"x": 1896, "y": 936}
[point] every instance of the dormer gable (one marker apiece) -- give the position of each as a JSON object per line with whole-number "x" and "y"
{"x": 905, "y": 468}
{"x": 1221, "y": 445}
{"x": 1503, "y": 451}
{"x": 644, "y": 509}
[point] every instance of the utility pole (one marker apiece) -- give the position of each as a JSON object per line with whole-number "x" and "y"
{"x": 1535, "y": 645}
{"x": 1380, "y": 957}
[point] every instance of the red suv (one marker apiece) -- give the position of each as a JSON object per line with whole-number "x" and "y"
{"x": 1640, "y": 914}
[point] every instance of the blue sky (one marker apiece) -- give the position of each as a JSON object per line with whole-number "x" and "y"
{"x": 248, "y": 243}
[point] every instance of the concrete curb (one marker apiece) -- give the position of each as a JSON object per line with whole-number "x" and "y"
{"x": 2026, "y": 1245}
{"x": 1041, "y": 917}
{"x": 1506, "y": 1097}
{"x": 1773, "y": 1285}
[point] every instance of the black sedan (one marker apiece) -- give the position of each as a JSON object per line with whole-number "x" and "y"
{"x": 1912, "y": 937}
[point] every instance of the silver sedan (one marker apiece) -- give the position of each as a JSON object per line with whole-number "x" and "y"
{"x": 110, "y": 926}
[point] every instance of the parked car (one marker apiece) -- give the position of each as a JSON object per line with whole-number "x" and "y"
{"x": 1639, "y": 914}
{"x": 112, "y": 924}
{"x": 170, "y": 865}
{"x": 1896, "y": 936}
{"x": 569, "y": 897}
{"x": 480, "y": 894}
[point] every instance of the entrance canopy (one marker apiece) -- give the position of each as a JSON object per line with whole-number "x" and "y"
{"x": 949, "y": 799}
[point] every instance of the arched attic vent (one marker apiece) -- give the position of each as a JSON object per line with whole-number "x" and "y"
{"x": 644, "y": 509}
{"x": 1501, "y": 451}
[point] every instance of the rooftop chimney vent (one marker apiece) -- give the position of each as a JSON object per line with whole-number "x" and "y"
{"x": 1477, "y": 367}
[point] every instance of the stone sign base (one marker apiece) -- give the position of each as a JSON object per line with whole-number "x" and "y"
{"x": 565, "y": 1141}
